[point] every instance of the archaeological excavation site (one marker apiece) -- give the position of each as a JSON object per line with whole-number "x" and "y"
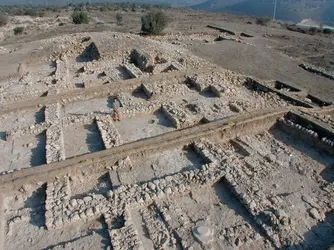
{"x": 203, "y": 157}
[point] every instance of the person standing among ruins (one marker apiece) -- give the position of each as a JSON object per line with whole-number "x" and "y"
{"x": 115, "y": 106}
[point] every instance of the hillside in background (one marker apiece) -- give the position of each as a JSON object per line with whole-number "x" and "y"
{"x": 287, "y": 10}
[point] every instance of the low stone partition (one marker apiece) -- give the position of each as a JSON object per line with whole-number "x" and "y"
{"x": 172, "y": 67}
{"x": 255, "y": 85}
{"x": 317, "y": 70}
{"x": 62, "y": 72}
{"x": 55, "y": 150}
{"x": 125, "y": 237}
{"x": 58, "y": 193}
{"x": 145, "y": 193}
{"x": 159, "y": 233}
{"x": 207, "y": 150}
{"x": 148, "y": 89}
{"x": 41, "y": 127}
{"x": 62, "y": 210}
{"x": 31, "y": 130}
{"x": 221, "y": 29}
{"x": 110, "y": 136}
{"x": 266, "y": 213}
{"x": 52, "y": 112}
{"x": 141, "y": 59}
{"x": 131, "y": 106}
{"x": 132, "y": 70}
{"x": 217, "y": 90}
{"x": 317, "y": 138}
{"x": 199, "y": 82}
{"x": 177, "y": 116}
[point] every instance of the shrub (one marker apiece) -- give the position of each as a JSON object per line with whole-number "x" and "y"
{"x": 103, "y": 8}
{"x": 312, "y": 30}
{"x": 262, "y": 20}
{"x": 327, "y": 31}
{"x": 18, "y": 12}
{"x": 41, "y": 14}
{"x": 154, "y": 22}
{"x": 80, "y": 17}
{"x": 119, "y": 19}
{"x": 31, "y": 12}
{"x": 18, "y": 30}
{"x": 3, "y": 20}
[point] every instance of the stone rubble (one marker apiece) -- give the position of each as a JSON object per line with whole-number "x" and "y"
{"x": 52, "y": 112}
{"x": 317, "y": 70}
{"x": 62, "y": 72}
{"x": 110, "y": 136}
{"x": 125, "y": 237}
{"x": 141, "y": 59}
{"x": 132, "y": 70}
{"x": 158, "y": 232}
{"x": 305, "y": 130}
{"x": 55, "y": 149}
{"x": 58, "y": 193}
{"x": 177, "y": 116}
{"x": 240, "y": 175}
{"x": 239, "y": 235}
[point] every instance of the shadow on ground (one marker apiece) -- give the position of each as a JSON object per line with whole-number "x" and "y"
{"x": 162, "y": 119}
{"x": 38, "y": 154}
{"x": 36, "y": 203}
{"x": 93, "y": 138}
{"x": 302, "y": 146}
{"x": 320, "y": 236}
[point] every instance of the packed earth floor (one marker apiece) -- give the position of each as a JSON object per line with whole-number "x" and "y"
{"x": 202, "y": 158}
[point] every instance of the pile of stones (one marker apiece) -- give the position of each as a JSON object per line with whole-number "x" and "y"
{"x": 127, "y": 236}
{"x": 157, "y": 229}
{"x": 177, "y": 116}
{"x": 317, "y": 70}
{"x": 55, "y": 150}
{"x": 239, "y": 234}
{"x": 52, "y": 112}
{"x": 57, "y": 194}
{"x": 110, "y": 136}
{"x": 132, "y": 70}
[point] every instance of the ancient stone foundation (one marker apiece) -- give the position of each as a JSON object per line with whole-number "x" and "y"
{"x": 110, "y": 136}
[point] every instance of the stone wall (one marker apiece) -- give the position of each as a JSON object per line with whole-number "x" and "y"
{"x": 177, "y": 116}
{"x": 52, "y": 112}
{"x": 125, "y": 237}
{"x": 141, "y": 59}
{"x": 132, "y": 70}
{"x": 55, "y": 150}
{"x": 62, "y": 72}
{"x": 110, "y": 136}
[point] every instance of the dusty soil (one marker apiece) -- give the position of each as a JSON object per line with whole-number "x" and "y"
{"x": 220, "y": 145}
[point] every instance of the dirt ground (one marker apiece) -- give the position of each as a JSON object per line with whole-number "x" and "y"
{"x": 223, "y": 142}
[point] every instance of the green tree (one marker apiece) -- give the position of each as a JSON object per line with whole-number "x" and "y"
{"x": 119, "y": 19}
{"x": 327, "y": 31}
{"x": 18, "y": 30}
{"x": 79, "y": 17}
{"x": 154, "y": 22}
{"x": 3, "y": 19}
{"x": 262, "y": 20}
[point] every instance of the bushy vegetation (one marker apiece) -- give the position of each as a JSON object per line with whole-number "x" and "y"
{"x": 79, "y": 17}
{"x": 154, "y": 22}
{"x": 31, "y": 12}
{"x": 327, "y": 31}
{"x": 262, "y": 20}
{"x": 119, "y": 19}
{"x": 3, "y": 19}
{"x": 18, "y": 30}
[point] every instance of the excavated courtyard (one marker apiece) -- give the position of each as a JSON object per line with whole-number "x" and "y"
{"x": 203, "y": 157}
